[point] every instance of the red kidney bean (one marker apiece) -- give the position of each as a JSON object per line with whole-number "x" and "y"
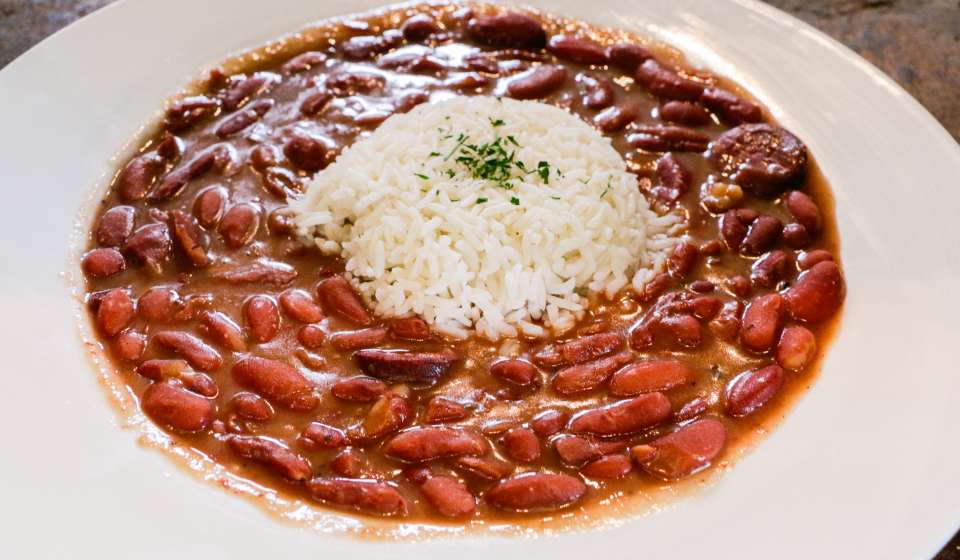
{"x": 627, "y": 57}
{"x": 536, "y": 491}
{"x": 537, "y": 82}
{"x": 739, "y": 285}
{"x": 186, "y": 112}
{"x": 752, "y": 389}
{"x": 796, "y": 236}
{"x": 727, "y": 324}
{"x": 177, "y": 408}
{"x": 817, "y": 293}
{"x": 489, "y": 468}
{"x": 574, "y": 49}
{"x": 304, "y": 62}
{"x": 760, "y": 157}
{"x": 522, "y": 445}
{"x": 115, "y": 312}
{"x": 337, "y": 295}
{"x": 189, "y": 237}
{"x": 307, "y": 152}
{"x": 702, "y": 286}
{"x": 622, "y": 417}
{"x": 280, "y": 222}
{"x": 449, "y": 496}
{"x": 425, "y": 443}
{"x": 690, "y": 410}
{"x": 418, "y": 368}
{"x": 481, "y": 62}
{"x": 587, "y": 376}
{"x": 129, "y": 346}
{"x": 467, "y": 81}
{"x": 666, "y": 83}
{"x": 770, "y": 269}
{"x": 683, "y": 260}
{"x": 364, "y": 47}
{"x": 597, "y": 91}
{"x": 804, "y": 210}
{"x": 617, "y": 117}
{"x": 363, "y": 338}
{"x": 409, "y": 328}
{"x": 409, "y": 100}
{"x": 576, "y": 450}
{"x": 762, "y": 235}
{"x": 507, "y": 30}
{"x": 158, "y": 370}
{"x": 387, "y": 415}
{"x": 239, "y": 225}
{"x": 419, "y": 28}
{"x": 441, "y": 409}
{"x": 761, "y": 323}
{"x": 219, "y": 156}
{"x": 661, "y": 138}
{"x": 412, "y": 59}
{"x": 262, "y": 317}
{"x": 195, "y": 351}
{"x": 252, "y": 406}
{"x": 518, "y": 372}
{"x": 807, "y": 259}
{"x": 654, "y": 287}
{"x": 685, "y": 112}
{"x": 705, "y": 308}
{"x": 418, "y": 474}
{"x": 149, "y": 244}
{"x": 673, "y": 179}
{"x": 281, "y": 182}
{"x": 734, "y": 225}
{"x": 242, "y": 89}
{"x": 579, "y": 350}
{"x": 316, "y": 102}
{"x": 299, "y": 305}
{"x": 240, "y": 121}
{"x": 371, "y": 119}
{"x": 322, "y": 436}
{"x": 730, "y": 107}
{"x": 366, "y": 495}
{"x": 359, "y": 389}
{"x": 549, "y": 422}
{"x": 209, "y": 205}
{"x": 684, "y": 330}
{"x": 103, "y": 262}
{"x": 347, "y": 463}
{"x": 346, "y": 83}
{"x": 159, "y": 305}
{"x": 686, "y": 451}
{"x": 115, "y": 225}
{"x": 277, "y": 381}
{"x": 311, "y": 336}
{"x": 650, "y": 376}
{"x": 796, "y": 349}
{"x": 138, "y": 176}
{"x": 220, "y": 327}
{"x": 271, "y": 454}
{"x": 608, "y": 467}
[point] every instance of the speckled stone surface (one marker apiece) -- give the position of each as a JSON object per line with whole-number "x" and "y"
{"x": 917, "y": 42}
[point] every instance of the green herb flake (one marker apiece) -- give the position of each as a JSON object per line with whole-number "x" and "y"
{"x": 481, "y": 200}
{"x": 515, "y": 201}
{"x": 543, "y": 169}
{"x": 497, "y": 122}
{"x": 422, "y": 176}
{"x": 435, "y": 154}
{"x": 555, "y": 197}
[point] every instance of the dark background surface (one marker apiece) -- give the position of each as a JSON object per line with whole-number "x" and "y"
{"x": 916, "y": 42}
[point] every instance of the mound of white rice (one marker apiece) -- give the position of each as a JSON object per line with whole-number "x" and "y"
{"x": 426, "y": 231}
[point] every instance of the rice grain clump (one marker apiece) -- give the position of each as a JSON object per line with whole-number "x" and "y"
{"x": 486, "y": 214}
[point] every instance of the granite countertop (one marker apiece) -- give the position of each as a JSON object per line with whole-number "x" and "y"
{"x": 917, "y": 42}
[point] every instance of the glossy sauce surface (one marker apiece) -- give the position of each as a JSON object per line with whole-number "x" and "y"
{"x": 258, "y": 336}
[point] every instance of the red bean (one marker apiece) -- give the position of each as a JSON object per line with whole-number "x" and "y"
{"x": 273, "y": 455}
{"x": 410, "y": 99}
{"x": 576, "y": 450}
{"x": 608, "y": 467}
{"x": 242, "y": 89}
{"x": 449, "y": 496}
{"x": 277, "y": 381}
{"x": 579, "y": 350}
{"x": 627, "y": 57}
{"x": 508, "y": 30}
{"x": 734, "y": 225}
{"x": 186, "y": 112}
{"x": 489, "y": 468}
{"x": 549, "y": 422}
{"x": 668, "y": 139}
{"x": 299, "y": 305}
{"x": 316, "y": 102}
{"x": 796, "y": 236}
{"x": 727, "y": 324}
{"x": 690, "y": 410}
{"x": 537, "y": 82}
{"x": 683, "y": 260}
{"x": 262, "y": 318}
{"x": 650, "y": 376}
{"x": 686, "y": 451}
{"x": 731, "y": 108}
{"x": 808, "y": 259}
{"x": 347, "y": 463}
{"x": 419, "y": 28}
{"x": 176, "y": 408}
{"x": 574, "y": 49}
{"x": 817, "y": 294}
{"x": 359, "y": 389}
{"x": 673, "y": 179}
{"x": 518, "y": 372}
{"x": 363, "y": 338}
{"x": 752, "y": 389}
{"x": 387, "y": 415}
{"x": 159, "y": 305}
{"x": 761, "y": 323}
{"x": 345, "y": 83}
{"x": 189, "y": 237}
{"x": 762, "y": 235}
{"x": 587, "y": 376}
{"x": 115, "y": 312}
{"x": 770, "y": 269}
{"x": 209, "y": 205}
{"x": 598, "y": 91}
{"x": 616, "y": 118}
{"x": 537, "y": 491}
{"x": 195, "y": 351}
{"x": 441, "y": 409}
{"x": 322, "y": 436}
{"x": 425, "y": 443}
{"x": 304, "y": 62}
{"x": 804, "y": 210}
{"x": 666, "y": 83}
{"x": 371, "y": 496}
{"x": 139, "y": 175}
{"x": 239, "y": 225}
{"x": 337, "y": 295}
{"x": 418, "y": 368}
{"x": 149, "y": 244}
{"x": 103, "y": 262}
{"x": 522, "y": 445}
{"x": 686, "y": 113}
{"x": 240, "y": 121}
{"x": 220, "y": 327}
{"x": 129, "y": 346}
{"x": 115, "y": 225}
{"x": 796, "y": 348}
{"x": 684, "y": 330}
{"x": 622, "y": 417}
{"x": 307, "y": 152}
{"x": 252, "y": 406}
{"x": 409, "y": 328}
{"x": 364, "y": 47}
{"x": 705, "y": 308}
{"x": 311, "y": 336}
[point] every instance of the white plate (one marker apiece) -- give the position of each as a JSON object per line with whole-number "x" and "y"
{"x": 865, "y": 466}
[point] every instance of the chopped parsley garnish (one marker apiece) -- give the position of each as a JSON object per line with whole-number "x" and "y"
{"x": 481, "y": 200}
{"x": 435, "y": 154}
{"x": 606, "y": 190}
{"x": 515, "y": 201}
{"x": 422, "y": 176}
{"x": 497, "y": 122}
{"x": 543, "y": 169}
